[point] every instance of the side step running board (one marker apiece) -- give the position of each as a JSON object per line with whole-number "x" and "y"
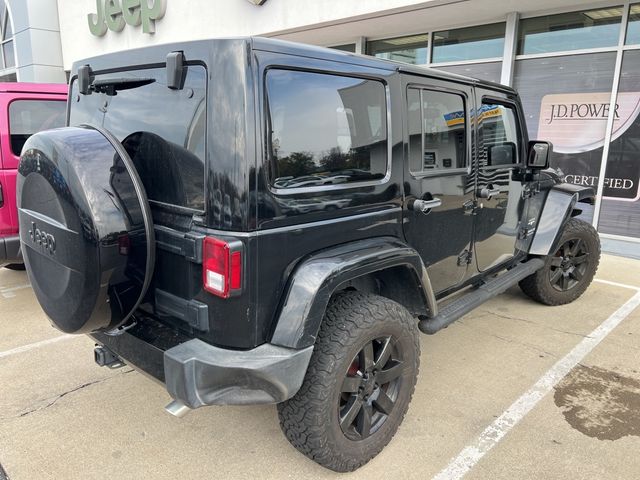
{"x": 475, "y": 298}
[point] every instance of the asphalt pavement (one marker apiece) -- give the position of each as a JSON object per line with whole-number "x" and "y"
{"x": 515, "y": 390}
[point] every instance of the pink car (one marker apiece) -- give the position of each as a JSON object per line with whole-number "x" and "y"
{"x": 25, "y": 108}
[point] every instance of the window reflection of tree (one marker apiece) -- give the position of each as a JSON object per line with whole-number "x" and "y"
{"x": 352, "y": 165}
{"x": 350, "y": 122}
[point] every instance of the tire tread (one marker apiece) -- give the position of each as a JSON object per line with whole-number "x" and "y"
{"x": 537, "y": 286}
{"x": 303, "y": 417}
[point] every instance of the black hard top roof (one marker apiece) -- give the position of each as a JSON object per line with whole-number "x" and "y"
{"x": 312, "y": 51}
{"x": 157, "y": 54}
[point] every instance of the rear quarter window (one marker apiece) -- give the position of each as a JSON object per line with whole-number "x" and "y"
{"x": 324, "y": 130}
{"x": 27, "y": 117}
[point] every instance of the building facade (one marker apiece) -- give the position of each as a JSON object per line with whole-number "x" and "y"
{"x": 30, "y": 48}
{"x": 575, "y": 63}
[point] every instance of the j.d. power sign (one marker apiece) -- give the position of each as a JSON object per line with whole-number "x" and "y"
{"x": 576, "y": 124}
{"x": 115, "y": 14}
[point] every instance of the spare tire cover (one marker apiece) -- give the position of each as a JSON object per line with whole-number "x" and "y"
{"x": 85, "y": 228}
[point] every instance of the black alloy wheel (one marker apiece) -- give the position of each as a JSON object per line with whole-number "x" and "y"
{"x": 359, "y": 382}
{"x": 370, "y": 388}
{"x": 568, "y": 272}
{"x": 569, "y": 265}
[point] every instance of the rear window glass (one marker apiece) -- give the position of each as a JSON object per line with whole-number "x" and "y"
{"x": 163, "y": 130}
{"x": 27, "y": 117}
{"x": 324, "y": 129}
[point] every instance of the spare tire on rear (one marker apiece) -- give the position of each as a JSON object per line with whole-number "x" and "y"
{"x": 85, "y": 228}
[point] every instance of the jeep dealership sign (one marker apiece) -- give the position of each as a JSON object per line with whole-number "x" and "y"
{"x": 115, "y": 14}
{"x": 576, "y": 123}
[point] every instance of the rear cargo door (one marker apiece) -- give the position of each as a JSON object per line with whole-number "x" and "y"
{"x": 164, "y": 132}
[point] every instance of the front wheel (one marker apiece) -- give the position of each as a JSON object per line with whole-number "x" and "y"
{"x": 569, "y": 271}
{"x": 359, "y": 383}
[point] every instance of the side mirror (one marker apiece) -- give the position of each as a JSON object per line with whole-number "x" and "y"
{"x": 539, "y": 154}
{"x": 502, "y": 154}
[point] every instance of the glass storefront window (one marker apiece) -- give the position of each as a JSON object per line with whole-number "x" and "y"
{"x": 566, "y": 101}
{"x": 490, "y": 71}
{"x": 633, "y": 29}
{"x": 570, "y": 31}
{"x": 412, "y": 49}
{"x": 349, "y": 47}
{"x": 7, "y": 58}
{"x": 620, "y": 212}
{"x": 472, "y": 43}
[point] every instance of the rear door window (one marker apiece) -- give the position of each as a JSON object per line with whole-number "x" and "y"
{"x": 325, "y": 130}
{"x": 27, "y": 117}
{"x": 163, "y": 130}
{"x": 437, "y": 133}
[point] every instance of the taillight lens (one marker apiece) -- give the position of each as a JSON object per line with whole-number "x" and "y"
{"x": 221, "y": 268}
{"x": 236, "y": 271}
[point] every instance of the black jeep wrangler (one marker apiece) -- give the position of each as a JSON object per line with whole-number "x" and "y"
{"x": 253, "y": 221}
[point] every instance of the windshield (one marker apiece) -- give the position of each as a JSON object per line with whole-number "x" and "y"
{"x": 163, "y": 130}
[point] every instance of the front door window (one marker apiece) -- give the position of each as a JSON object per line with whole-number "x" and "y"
{"x": 497, "y": 195}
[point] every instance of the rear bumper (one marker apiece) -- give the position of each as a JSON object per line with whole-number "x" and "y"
{"x": 199, "y": 374}
{"x": 10, "y": 250}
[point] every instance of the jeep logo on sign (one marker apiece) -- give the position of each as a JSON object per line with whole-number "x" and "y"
{"x": 114, "y": 14}
{"x": 42, "y": 238}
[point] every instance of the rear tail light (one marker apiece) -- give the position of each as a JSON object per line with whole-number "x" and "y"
{"x": 221, "y": 267}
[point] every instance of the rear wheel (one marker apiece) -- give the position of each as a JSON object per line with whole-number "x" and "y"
{"x": 359, "y": 383}
{"x": 569, "y": 271}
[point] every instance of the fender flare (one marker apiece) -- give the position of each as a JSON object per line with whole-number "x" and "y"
{"x": 559, "y": 203}
{"x": 316, "y": 278}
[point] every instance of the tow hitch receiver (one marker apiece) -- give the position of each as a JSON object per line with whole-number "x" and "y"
{"x": 106, "y": 358}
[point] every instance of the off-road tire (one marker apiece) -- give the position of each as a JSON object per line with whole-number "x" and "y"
{"x": 539, "y": 286}
{"x": 311, "y": 419}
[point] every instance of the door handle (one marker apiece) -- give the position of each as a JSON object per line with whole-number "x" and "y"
{"x": 488, "y": 192}
{"x": 425, "y": 206}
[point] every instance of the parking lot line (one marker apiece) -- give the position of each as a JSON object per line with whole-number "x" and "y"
{"x": 8, "y": 292}
{"x": 494, "y": 433}
{"x": 617, "y": 284}
{"x": 31, "y": 346}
